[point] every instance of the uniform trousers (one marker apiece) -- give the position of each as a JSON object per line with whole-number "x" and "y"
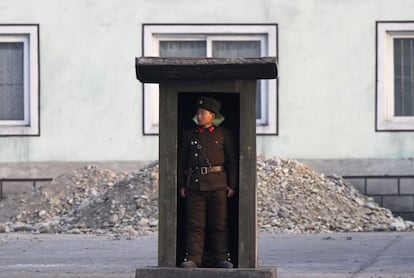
{"x": 206, "y": 222}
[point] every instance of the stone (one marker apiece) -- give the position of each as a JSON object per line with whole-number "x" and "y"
{"x": 75, "y": 231}
{"x": 143, "y": 222}
{"x": 153, "y": 223}
{"x": 20, "y": 227}
{"x": 44, "y": 229}
{"x": 398, "y": 224}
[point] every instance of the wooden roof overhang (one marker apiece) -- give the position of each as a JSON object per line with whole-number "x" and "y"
{"x": 156, "y": 69}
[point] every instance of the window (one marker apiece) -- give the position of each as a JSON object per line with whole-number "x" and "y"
{"x": 19, "y": 80}
{"x": 395, "y": 76}
{"x": 218, "y": 41}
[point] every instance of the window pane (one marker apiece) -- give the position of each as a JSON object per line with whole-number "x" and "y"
{"x": 240, "y": 49}
{"x": 404, "y": 77}
{"x": 236, "y": 49}
{"x": 11, "y": 81}
{"x": 193, "y": 49}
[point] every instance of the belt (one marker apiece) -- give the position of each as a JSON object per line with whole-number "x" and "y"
{"x": 211, "y": 169}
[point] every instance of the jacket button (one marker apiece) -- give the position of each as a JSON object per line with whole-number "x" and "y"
{"x": 196, "y": 154}
{"x": 196, "y": 180}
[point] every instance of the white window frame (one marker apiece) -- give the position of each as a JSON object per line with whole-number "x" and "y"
{"x": 386, "y": 33}
{"x": 29, "y": 35}
{"x": 266, "y": 33}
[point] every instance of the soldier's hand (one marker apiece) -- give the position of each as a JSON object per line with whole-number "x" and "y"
{"x": 230, "y": 192}
{"x": 182, "y": 192}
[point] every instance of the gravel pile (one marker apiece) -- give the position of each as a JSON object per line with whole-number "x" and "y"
{"x": 291, "y": 198}
{"x": 88, "y": 200}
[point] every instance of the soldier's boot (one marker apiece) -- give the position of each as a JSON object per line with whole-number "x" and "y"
{"x": 189, "y": 264}
{"x": 225, "y": 263}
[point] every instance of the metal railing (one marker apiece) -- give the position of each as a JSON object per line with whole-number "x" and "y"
{"x": 366, "y": 178}
{"x": 34, "y": 181}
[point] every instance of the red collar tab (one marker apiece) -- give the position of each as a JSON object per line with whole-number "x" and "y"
{"x": 210, "y": 129}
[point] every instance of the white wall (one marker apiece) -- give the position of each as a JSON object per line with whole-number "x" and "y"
{"x": 327, "y": 82}
{"x": 91, "y": 102}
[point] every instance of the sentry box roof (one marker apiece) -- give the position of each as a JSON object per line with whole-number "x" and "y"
{"x": 156, "y": 69}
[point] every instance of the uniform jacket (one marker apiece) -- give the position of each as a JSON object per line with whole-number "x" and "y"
{"x": 197, "y": 148}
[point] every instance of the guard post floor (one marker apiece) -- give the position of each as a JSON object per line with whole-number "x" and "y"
{"x": 172, "y": 272}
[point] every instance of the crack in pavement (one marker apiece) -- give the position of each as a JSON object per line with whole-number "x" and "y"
{"x": 374, "y": 259}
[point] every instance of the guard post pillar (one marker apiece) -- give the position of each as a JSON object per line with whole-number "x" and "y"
{"x": 233, "y": 82}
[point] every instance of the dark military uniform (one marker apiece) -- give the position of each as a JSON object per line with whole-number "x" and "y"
{"x": 209, "y": 166}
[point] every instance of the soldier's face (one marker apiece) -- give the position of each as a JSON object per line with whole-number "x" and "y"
{"x": 204, "y": 117}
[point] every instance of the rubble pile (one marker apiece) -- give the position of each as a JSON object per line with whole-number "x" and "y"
{"x": 291, "y": 198}
{"x": 88, "y": 200}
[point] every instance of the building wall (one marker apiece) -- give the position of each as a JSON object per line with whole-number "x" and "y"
{"x": 91, "y": 102}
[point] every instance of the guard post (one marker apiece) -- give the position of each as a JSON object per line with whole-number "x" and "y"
{"x": 233, "y": 81}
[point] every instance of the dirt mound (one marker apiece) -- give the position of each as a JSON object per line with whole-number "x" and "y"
{"x": 87, "y": 200}
{"x": 291, "y": 198}
{"x": 294, "y": 198}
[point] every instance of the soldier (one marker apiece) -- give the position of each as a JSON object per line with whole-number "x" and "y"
{"x": 208, "y": 176}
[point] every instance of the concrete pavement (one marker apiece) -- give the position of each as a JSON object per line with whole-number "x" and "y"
{"x": 339, "y": 255}
{"x": 374, "y": 255}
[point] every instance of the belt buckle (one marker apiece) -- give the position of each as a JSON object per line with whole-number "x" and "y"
{"x": 204, "y": 170}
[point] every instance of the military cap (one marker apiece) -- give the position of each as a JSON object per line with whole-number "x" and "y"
{"x": 212, "y": 105}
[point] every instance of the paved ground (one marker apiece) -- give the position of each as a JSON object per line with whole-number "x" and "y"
{"x": 321, "y": 255}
